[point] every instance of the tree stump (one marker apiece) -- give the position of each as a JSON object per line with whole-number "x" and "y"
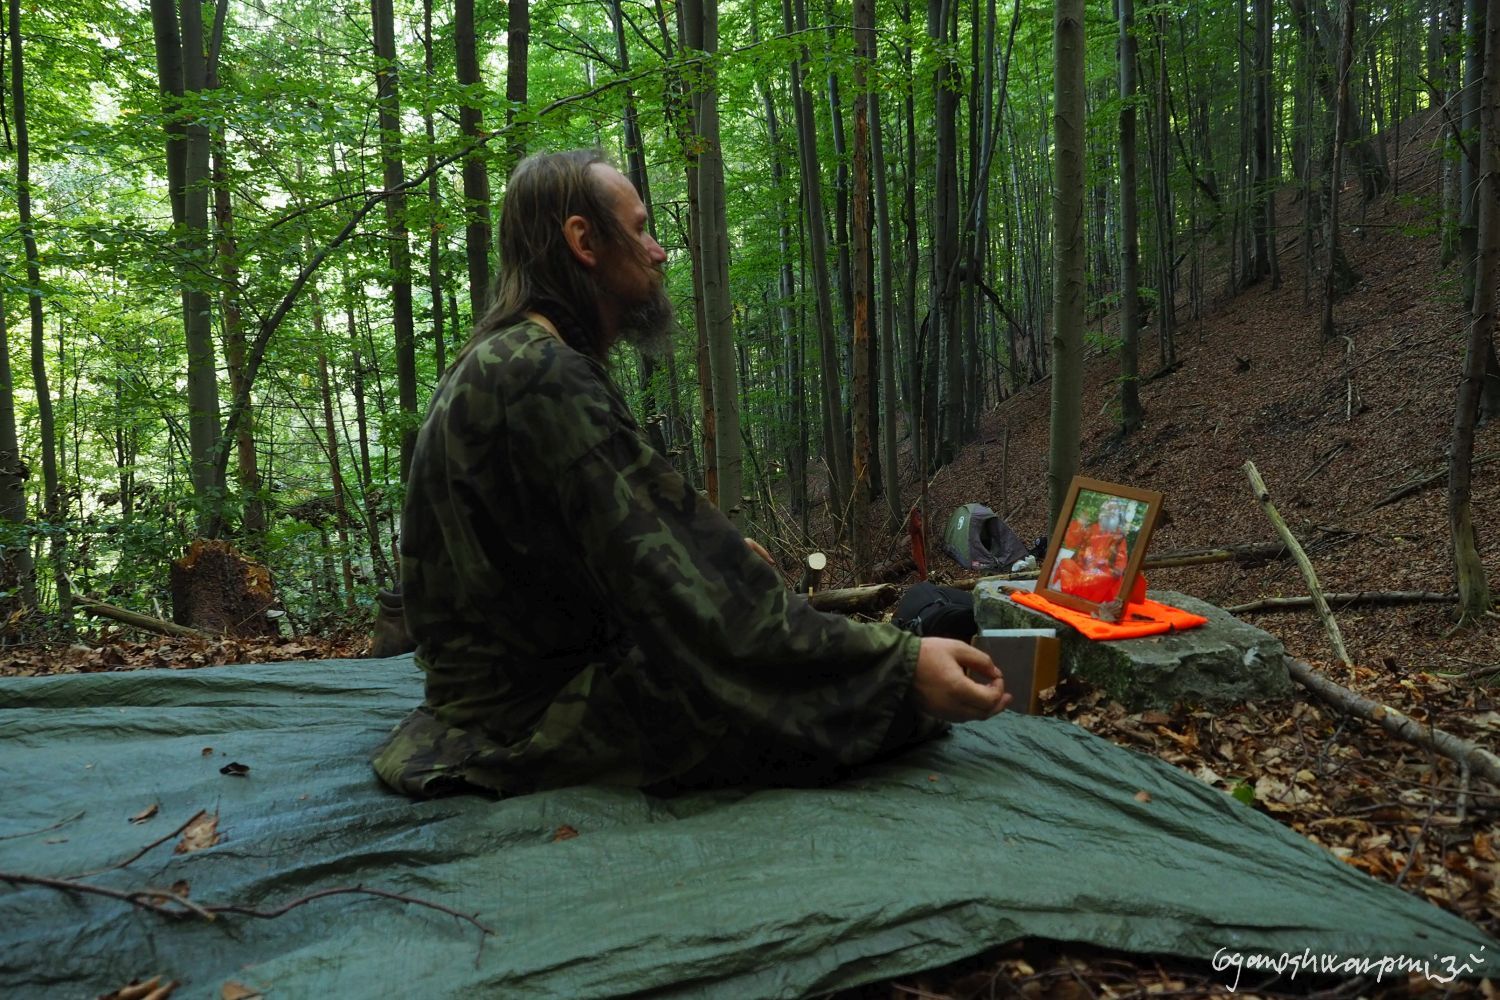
{"x": 217, "y": 589}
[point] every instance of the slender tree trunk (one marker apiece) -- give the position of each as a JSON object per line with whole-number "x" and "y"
{"x": 362, "y": 432}
{"x": 182, "y": 75}
{"x": 887, "y": 316}
{"x": 17, "y": 574}
{"x": 388, "y": 98}
{"x": 945, "y": 333}
{"x": 834, "y": 451}
{"x": 1263, "y": 185}
{"x": 1331, "y": 229}
{"x": 1473, "y": 588}
{"x": 864, "y": 58}
{"x": 1474, "y": 78}
{"x": 786, "y": 291}
{"x": 517, "y": 51}
{"x": 1131, "y": 416}
{"x": 476, "y": 177}
{"x": 331, "y": 450}
{"x": 52, "y": 500}
{"x": 701, "y": 18}
{"x": 1452, "y": 77}
{"x": 1069, "y": 258}
{"x": 435, "y": 224}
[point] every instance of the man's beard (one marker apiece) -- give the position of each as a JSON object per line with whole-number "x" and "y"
{"x": 648, "y": 325}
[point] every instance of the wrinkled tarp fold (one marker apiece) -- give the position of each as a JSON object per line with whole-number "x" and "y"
{"x": 1017, "y": 827}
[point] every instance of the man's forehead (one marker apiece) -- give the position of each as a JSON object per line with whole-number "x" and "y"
{"x": 617, "y": 186}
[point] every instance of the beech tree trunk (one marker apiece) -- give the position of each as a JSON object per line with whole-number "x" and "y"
{"x": 17, "y": 572}
{"x": 834, "y": 451}
{"x": 864, "y": 58}
{"x": 888, "y": 399}
{"x": 1335, "y": 179}
{"x": 476, "y": 177}
{"x": 944, "y": 333}
{"x": 701, "y": 18}
{"x": 1473, "y": 588}
{"x": 1131, "y": 416}
{"x": 182, "y": 74}
{"x": 435, "y": 223}
{"x": 517, "y": 51}
{"x": 52, "y": 500}
{"x": 1068, "y": 252}
{"x": 388, "y": 101}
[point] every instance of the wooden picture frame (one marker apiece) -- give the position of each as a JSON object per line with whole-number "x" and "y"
{"x": 1097, "y": 545}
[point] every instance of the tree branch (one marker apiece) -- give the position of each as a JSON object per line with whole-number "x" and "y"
{"x": 170, "y": 904}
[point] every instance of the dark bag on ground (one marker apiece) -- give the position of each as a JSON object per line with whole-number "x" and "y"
{"x": 927, "y": 609}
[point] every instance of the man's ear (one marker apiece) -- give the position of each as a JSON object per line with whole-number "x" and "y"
{"x": 580, "y": 236}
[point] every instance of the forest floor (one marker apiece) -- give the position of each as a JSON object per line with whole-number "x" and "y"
{"x": 1257, "y": 383}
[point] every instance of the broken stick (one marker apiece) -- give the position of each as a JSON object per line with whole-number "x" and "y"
{"x": 97, "y": 607}
{"x": 1364, "y": 597}
{"x": 1477, "y": 759}
{"x": 866, "y": 600}
{"x": 1303, "y": 563}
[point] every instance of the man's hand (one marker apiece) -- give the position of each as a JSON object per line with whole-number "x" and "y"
{"x": 760, "y": 550}
{"x": 956, "y": 682}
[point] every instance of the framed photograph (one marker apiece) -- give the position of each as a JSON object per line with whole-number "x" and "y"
{"x": 1097, "y": 546}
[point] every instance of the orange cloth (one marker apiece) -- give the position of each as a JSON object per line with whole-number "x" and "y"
{"x": 1160, "y": 618}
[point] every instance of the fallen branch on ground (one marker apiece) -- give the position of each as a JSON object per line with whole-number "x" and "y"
{"x": 851, "y": 600}
{"x": 1479, "y": 760}
{"x": 97, "y": 607}
{"x": 1263, "y": 496}
{"x": 170, "y": 904}
{"x": 1363, "y": 597}
{"x": 1418, "y": 485}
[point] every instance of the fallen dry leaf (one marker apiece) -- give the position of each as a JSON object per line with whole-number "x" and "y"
{"x": 1143, "y": 796}
{"x": 1277, "y": 796}
{"x": 235, "y": 769}
{"x": 150, "y": 989}
{"x": 202, "y": 832}
{"x": 237, "y": 991}
{"x": 564, "y": 832}
{"x": 146, "y": 813}
{"x": 208, "y": 751}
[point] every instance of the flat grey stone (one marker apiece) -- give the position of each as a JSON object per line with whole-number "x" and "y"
{"x": 1218, "y": 664}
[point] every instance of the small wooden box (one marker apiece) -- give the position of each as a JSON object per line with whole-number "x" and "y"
{"x": 1027, "y": 658}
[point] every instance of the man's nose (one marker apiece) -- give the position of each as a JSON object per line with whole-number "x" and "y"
{"x": 654, "y": 251}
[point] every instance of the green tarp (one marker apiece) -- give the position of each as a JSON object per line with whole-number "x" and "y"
{"x": 1017, "y": 827}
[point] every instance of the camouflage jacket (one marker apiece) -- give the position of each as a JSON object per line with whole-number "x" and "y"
{"x": 582, "y": 615}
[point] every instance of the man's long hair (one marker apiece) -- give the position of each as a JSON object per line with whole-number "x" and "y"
{"x": 537, "y": 269}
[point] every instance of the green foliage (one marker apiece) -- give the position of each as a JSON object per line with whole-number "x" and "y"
{"x": 300, "y": 157}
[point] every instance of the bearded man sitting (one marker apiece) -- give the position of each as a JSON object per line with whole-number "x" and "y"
{"x": 581, "y": 613}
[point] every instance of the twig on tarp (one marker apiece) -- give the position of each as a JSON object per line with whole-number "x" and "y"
{"x": 46, "y": 829}
{"x": 170, "y": 904}
{"x": 1363, "y": 597}
{"x": 1330, "y": 624}
{"x": 142, "y": 852}
{"x": 1479, "y": 760}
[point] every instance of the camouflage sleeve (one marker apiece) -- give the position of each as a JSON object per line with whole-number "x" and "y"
{"x": 700, "y": 603}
